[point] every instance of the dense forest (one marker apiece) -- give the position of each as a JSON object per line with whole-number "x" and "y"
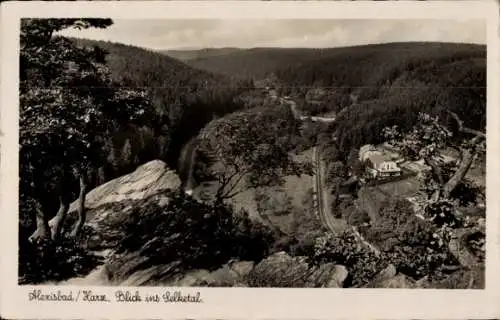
{"x": 371, "y": 86}
{"x": 186, "y": 55}
{"x": 390, "y": 84}
{"x": 180, "y": 94}
{"x": 255, "y": 63}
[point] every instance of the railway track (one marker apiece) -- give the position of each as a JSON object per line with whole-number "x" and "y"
{"x": 321, "y": 205}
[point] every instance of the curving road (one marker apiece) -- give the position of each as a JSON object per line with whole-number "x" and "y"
{"x": 322, "y": 204}
{"x": 320, "y": 194}
{"x": 186, "y": 165}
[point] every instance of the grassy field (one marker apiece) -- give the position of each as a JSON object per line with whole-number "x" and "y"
{"x": 283, "y": 204}
{"x": 370, "y": 199}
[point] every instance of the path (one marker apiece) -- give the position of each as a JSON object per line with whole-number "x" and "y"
{"x": 320, "y": 193}
{"x": 186, "y": 165}
{"x": 323, "y": 208}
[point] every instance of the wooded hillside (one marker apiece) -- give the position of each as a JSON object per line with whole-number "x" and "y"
{"x": 184, "y": 98}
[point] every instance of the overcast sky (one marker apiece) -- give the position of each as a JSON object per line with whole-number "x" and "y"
{"x": 195, "y": 34}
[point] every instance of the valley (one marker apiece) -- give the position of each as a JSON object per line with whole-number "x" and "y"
{"x": 261, "y": 167}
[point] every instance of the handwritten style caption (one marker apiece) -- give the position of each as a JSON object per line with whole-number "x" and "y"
{"x": 119, "y": 296}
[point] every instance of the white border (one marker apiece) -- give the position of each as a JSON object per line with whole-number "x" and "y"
{"x": 237, "y": 303}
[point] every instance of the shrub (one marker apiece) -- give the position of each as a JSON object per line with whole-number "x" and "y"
{"x": 344, "y": 249}
{"x": 47, "y": 261}
{"x": 197, "y": 235}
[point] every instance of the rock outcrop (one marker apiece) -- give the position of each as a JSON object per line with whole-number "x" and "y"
{"x": 144, "y": 182}
{"x": 109, "y": 208}
{"x": 110, "y": 204}
{"x": 277, "y": 270}
{"x": 459, "y": 248}
{"x": 390, "y": 278}
{"x": 282, "y": 270}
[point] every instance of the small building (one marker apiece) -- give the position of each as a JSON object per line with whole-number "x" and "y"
{"x": 379, "y": 166}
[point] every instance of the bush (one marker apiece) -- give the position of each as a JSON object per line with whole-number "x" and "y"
{"x": 53, "y": 261}
{"x": 413, "y": 245}
{"x": 344, "y": 249}
{"x": 197, "y": 235}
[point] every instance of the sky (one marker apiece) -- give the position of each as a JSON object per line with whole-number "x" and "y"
{"x": 204, "y": 33}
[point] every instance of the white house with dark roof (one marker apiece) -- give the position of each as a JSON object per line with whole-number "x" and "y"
{"x": 378, "y": 164}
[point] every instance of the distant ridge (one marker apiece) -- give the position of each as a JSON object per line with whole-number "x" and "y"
{"x": 260, "y": 62}
{"x": 186, "y": 55}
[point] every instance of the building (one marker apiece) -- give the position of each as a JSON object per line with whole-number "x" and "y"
{"x": 378, "y": 166}
{"x": 380, "y": 163}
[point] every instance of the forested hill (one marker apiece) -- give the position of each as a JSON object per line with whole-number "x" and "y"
{"x": 256, "y": 62}
{"x": 376, "y": 65}
{"x": 389, "y": 84}
{"x": 375, "y": 85}
{"x": 314, "y": 65}
{"x": 166, "y": 77}
{"x": 186, "y": 55}
{"x": 185, "y": 98}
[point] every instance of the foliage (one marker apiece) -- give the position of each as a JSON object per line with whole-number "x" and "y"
{"x": 68, "y": 102}
{"x": 393, "y": 221}
{"x": 337, "y": 172}
{"x": 252, "y": 147}
{"x": 416, "y": 247}
{"x": 184, "y": 98}
{"x": 195, "y": 234}
{"x": 352, "y": 214}
{"x": 278, "y": 203}
{"x": 367, "y": 90}
{"x": 442, "y": 213}
{"x": 477, "y": 244}
{"x": 427, "y": 140}
{"x": 344, "y": 249}
{"x": 305, "y": 221}
{"x": 47, "y": 262}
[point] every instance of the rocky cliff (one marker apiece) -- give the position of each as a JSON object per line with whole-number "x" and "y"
{"x": 181, "y": 244}
{"x": 109, "y": 205}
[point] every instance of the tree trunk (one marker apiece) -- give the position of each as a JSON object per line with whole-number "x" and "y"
{"x": 467, "y": 159}
{"x": 57, "y": 222}
{"x": 101, "y": 175}
{"x": 436, "y": 170}
{"x": 42, "y": 232}
{"x": 437, "y": 174}
{"x": 336, "y": 195}
{"x": 81, "y": 207}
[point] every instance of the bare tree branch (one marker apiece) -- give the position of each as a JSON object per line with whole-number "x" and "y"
{"x": 463, "y": 129}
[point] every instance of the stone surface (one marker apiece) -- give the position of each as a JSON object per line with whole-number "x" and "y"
{"x": 399, "y": 281}
{"x": 277, "y": 270}
{"x": 458, "y": 247}
{"x": 389, "y": 278}
{"x": 337, "y": 277}
{"x": 145, "y": 181}
{"x": 109, "y": 205}
{"x": 282, "y": 270}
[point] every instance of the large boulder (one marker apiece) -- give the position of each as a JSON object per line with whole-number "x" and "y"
{"x": 459, "y": 247}
{"x": 109, "y": 205}
{"x": 277, "y": 270}
{"x": 390, "y": 278}
{"x": 144, "y": 182}
{"x": 131, "y": 269}
{"x": 282, "y": 270}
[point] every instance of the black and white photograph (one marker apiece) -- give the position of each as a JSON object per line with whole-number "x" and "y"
{"x": 251, "y": 153}
{"x": 257, "y": 153}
